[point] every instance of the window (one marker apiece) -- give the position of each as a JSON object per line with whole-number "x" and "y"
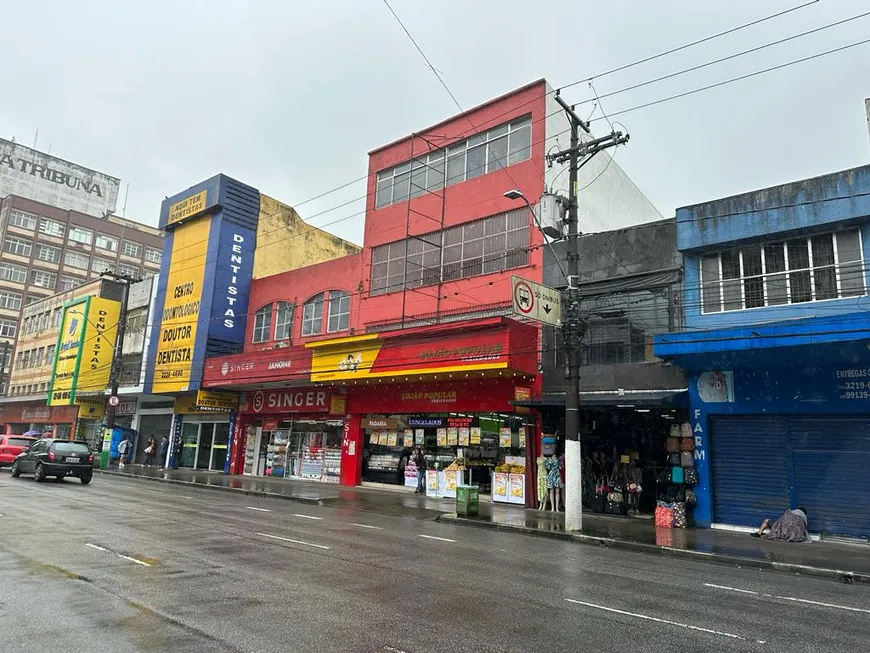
{"x": 107, "y": 242}
{"x": 312, "y": 316}
{"x": 496, "y": 243}
{"x": 826, "y": 266}
{"x": 8, "y": 328}
{"x": 49, "y": 354}
{"x": 480, "y": 154}
{"x": 128, "y": 270}
{"x": 10, "y": 272}
{"x": 153, "y": 255}
{"x": 339, "y": 311}
{"x": 51, "y": 227}
{"x": 101, "y": 265}
{"x": 76, "y": 260}
{"x": 284, "y": 320}
{"x": 48, "y": 253}
{"x": 137, "y": 319}
{"x": 55, "y": 317}
{"x": 43, "y": 279}
{"x": 132, "y": 249}
{"x": 70, "y": 283}
{"x": 19, "y": 246}
{"x": 30, "y": 299}
{"x": 21, "y": 219}
{"x": 10, "y": 300}
{"x": 81, "y": 235}
{"x": 262, "y": 323}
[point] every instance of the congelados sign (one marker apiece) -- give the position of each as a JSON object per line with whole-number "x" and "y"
{"x": 85, "y": 349}
{"x": 174, "y": 348}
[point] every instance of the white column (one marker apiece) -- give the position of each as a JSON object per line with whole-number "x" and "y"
{"x": 573, "y": 486}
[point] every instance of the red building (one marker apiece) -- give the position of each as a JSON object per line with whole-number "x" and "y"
{"x": 351, "y": 362}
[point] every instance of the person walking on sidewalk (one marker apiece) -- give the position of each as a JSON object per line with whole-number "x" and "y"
{"x": 150, "y": 451}
{"x": 161, "y": 451}
{"x": 420, "y": 462}
{"x": 123, "y": 450}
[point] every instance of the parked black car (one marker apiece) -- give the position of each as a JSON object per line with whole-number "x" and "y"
{"x": 58, "y": 458}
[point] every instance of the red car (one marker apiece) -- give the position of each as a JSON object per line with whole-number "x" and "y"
{"x": 11, "y": 446}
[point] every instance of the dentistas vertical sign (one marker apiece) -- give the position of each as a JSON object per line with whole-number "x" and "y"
{"x": 205, "y": 280}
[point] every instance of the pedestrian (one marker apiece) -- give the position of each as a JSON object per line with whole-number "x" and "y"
{"x": 420, "y": 462}
{"x": 150, "y": 451}
{"x": 164, "y": 447}
{"x": 790, "y": 527}
{"x": 123, "y": 449}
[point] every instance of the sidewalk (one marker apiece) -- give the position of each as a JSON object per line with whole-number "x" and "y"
{"x": 850, "y": 563}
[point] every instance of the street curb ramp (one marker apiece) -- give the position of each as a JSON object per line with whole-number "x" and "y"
{"x": 654, "y": 549}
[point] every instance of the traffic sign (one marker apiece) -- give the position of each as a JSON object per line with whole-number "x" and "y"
{"x": 114, "y": 401}
{"x": 536, "y": 302}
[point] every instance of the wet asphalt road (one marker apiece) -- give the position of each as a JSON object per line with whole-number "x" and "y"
{"x": 127, "y": 565}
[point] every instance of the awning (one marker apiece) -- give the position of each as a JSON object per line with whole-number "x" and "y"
{"x": 671, "y": 398}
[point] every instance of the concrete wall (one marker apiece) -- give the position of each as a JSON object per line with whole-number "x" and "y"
{"x": 141, "y": 294}
{"x": 607, "y": 197}
{"x": 285, "y": 242}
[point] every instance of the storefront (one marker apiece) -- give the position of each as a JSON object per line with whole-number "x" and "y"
{"x": 202, "y": 438}
{"x": 781, "y": 420}
{"x": 290, "y": 433}
{"x": 60, "y": 421}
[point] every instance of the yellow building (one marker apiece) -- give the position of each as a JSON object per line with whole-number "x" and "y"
{"x": 286, "y": 242}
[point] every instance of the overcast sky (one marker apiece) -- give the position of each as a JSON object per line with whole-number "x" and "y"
{"x": 289, "y": 96}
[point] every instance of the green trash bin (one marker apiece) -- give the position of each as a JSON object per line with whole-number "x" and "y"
{"x": 467, "y": 500}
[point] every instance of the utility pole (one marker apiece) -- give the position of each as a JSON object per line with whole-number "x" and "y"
{"x": 115, "y": 372}
{"x": 573, "y": 322}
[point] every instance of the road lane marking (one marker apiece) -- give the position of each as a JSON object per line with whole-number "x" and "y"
{"x": 138, "y": 562}
{"x": 376, "y": 528}
{"x": 660, "y": 621}
{"x": 296, "y": 514}
{"x": 259, "y": 509}
{"x": 432, "y": 537}
{"x": 287, "y": 539}
{"x": 730, "y": 589}
{"x": 94, "y": 546}
{"x": 391, "y": 649}
{"x": 790, "y": 598}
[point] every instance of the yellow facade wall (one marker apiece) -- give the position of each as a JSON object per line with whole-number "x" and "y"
{"x": 285, "y": 242}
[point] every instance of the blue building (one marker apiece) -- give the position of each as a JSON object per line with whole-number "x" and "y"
{"x": 777, "y": 352}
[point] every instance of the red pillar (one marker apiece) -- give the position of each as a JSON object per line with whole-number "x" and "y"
{"x": 351, "y": 451}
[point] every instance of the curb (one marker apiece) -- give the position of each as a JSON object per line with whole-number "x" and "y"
{"x": 690, "y": 554}
{"x": 220, "y": 488}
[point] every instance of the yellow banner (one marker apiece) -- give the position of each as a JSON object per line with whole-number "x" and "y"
{"x": 98, "y": 346}
{"x": 348, "y": 359}
{"x": 208, "y": 400}
{"x": 180, "y": 311}
{"x": 66, "y": 359}
{"x": 187, "y": 207}
{"x": 91, "y": 408}
{"x": 186, "y": 405}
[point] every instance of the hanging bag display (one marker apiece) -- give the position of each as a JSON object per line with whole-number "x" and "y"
{"x": 674, "y": 459}
{"x": 686, "y": 429}
{"x": 687, "y": 459}
{"x": 679, "y": 514}
{"x": 677, "y": 475}
{"x": 664, "y": 516}
{"x": 687, "y": 444}
{"x": 690, "y": 476}
{"x": 675, "y": 430}
{"x": 672, "y": 445}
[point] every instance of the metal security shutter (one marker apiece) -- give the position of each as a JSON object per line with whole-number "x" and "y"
{"x": 831, "y": 457}
{"x": 749, "y": 467}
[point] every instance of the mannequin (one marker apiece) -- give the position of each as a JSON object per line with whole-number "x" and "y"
{"x": 542, "y": 482}
{"x": 553, "y": 466}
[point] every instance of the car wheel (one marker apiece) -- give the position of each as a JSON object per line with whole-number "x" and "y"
{"x": 39, "y": 474}
{"x": 86, "y": 478}
{"x": 15, "y": 471}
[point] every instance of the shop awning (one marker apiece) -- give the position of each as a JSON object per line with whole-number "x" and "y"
{"x": 672, "y": 398}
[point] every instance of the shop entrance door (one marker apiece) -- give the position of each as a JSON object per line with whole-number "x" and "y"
{"x": 203, "y": 452}
{"x": 219, "y": 447}
{"x": 189, "y": 442}
{"x": 261, "y": 451}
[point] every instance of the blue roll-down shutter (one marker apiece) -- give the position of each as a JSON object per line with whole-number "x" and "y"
{"x": 750, "y": 473}
{"x": 831, "y": 458}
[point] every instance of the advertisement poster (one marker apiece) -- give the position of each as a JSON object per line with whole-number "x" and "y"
{"x": 442, "y": 437}
{"x": 504, "y": 438}
{"x": 432, "y": 483}
{"x": 450, "y": 479}
{"x": 522, "y": 444}
{"x": 374, "y": 438}
{"x": 383, "y": 437}
{"x": 409, "y": 438}
{"x": 392, "y": 438}
{"x": 452, "y": 437}
{"x": 517, "y": 488}
{"x": 463, "y": 437}
{"x": 419, "y": 436}
{"x": 475, "y": 435}
{"x": 500, "y": 487}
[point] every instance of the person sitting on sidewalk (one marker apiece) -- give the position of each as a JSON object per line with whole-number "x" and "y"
{"x": 791, "y": 527}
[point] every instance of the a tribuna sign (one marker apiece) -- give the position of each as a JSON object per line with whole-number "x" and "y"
{"x": 48, "y": 174}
